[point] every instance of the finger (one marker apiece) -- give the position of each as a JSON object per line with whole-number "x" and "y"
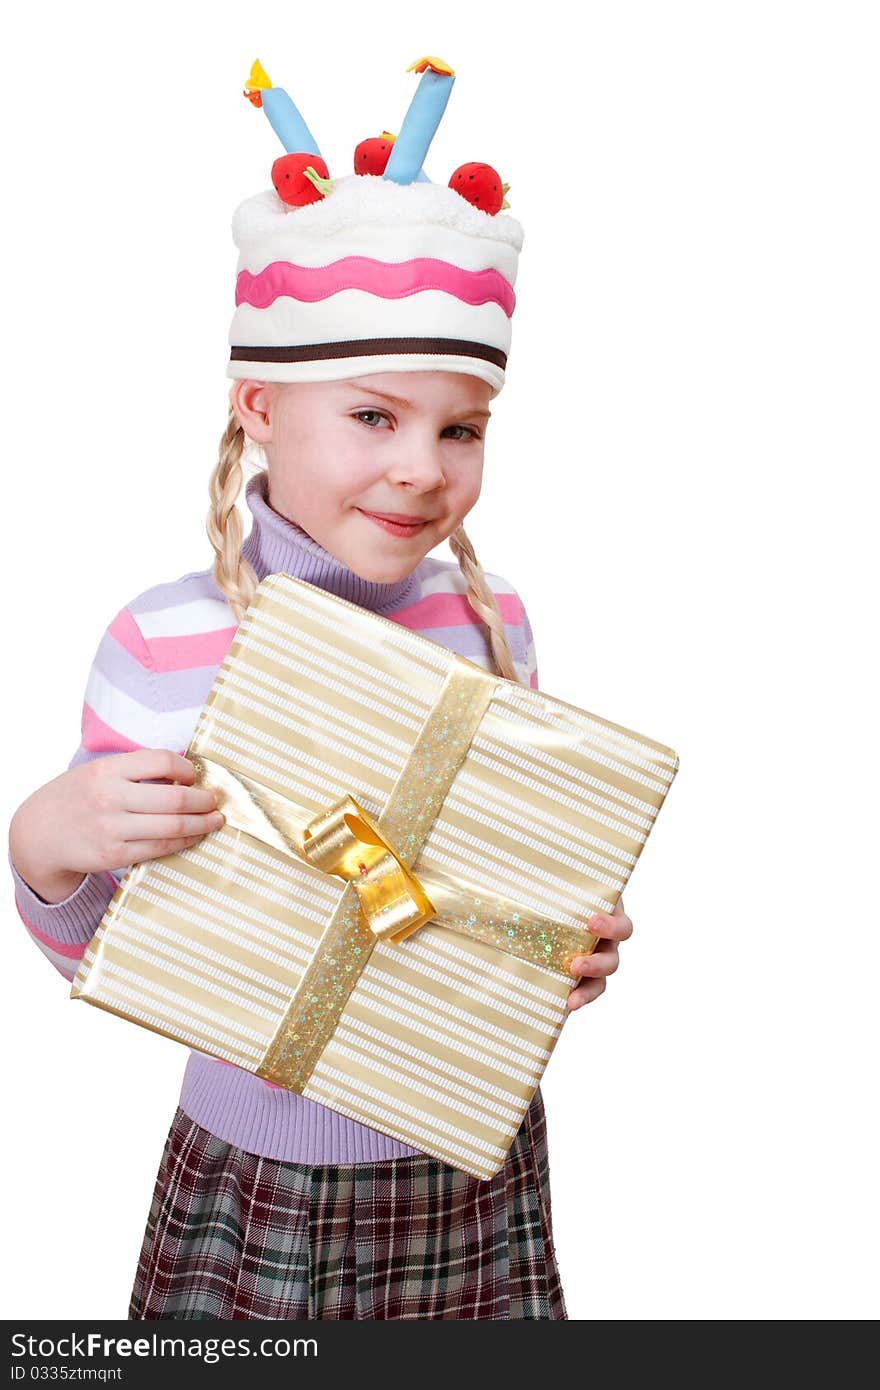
{"x": 159, "y": 762}
{"x": 611, "y": 926}
{"x": 139, "y": 851}
{"x": 174, "y": 827}
{"x": 154, "y": 798}
{"x": 599, "y": 964}
{"x": 585, "y": 994}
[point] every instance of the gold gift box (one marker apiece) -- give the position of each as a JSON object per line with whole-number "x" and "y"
{"x": 412, "y": 849}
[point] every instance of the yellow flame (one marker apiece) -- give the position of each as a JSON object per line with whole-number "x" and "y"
{"x": 435, "y": 64}
{"x": 258, "y": 80}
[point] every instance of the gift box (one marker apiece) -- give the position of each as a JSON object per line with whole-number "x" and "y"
{"x": 412, "y": 849}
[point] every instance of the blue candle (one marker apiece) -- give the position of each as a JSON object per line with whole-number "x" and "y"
{"x": 420, "y": 122}
{"x": 281, "y": 112}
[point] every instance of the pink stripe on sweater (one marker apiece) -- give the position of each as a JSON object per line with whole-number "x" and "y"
{"x": 98, "y": 737}
{"x": 127, "y": 633}
{"x": 452, "y": 610}
{"x": 61, "y": 948}
{"x": 186, "y": 652}
{"x": 385, "y": 279}
{"x": 180, "y": 653}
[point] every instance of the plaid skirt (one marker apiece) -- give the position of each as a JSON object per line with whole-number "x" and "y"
{"x": 233, "y": 1235}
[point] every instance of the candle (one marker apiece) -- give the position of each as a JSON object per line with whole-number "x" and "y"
{"x": 282, "y": 114}
{"x": 421, "y": 176}
{"x": 421, "y": 121}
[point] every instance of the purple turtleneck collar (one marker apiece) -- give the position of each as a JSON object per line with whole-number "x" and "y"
{"x": 278, "y": 546}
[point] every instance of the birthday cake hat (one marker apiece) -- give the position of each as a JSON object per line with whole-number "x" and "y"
{"x": 379, "y": 270}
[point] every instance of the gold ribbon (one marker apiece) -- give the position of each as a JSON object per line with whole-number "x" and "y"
{"x": 345, "y": 841}
{"x": 383, "y": 900}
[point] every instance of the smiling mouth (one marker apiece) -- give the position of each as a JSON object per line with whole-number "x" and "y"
{"x": 394, "y": 526}
{"x": 404, "y": 518}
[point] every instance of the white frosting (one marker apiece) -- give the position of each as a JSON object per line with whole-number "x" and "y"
{"x": 369, "y": 199}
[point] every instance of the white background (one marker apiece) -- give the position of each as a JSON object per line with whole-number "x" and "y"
{"x": 679, "y": 482}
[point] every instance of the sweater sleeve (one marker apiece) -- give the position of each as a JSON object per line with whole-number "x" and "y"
{"x": 120, "y": 713}
{"x": 531, "y": 659}
{"x": 520, "y": 635}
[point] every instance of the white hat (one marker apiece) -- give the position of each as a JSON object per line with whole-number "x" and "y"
{"x": 377, "y": 271}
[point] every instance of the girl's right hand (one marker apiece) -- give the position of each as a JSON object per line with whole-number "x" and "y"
{"x": 107, "y": 814}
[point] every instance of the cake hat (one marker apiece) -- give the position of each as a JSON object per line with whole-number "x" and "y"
{"x": 378, "y": 270}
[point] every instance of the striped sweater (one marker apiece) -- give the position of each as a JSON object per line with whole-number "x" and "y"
{"x": 149, "y": 680}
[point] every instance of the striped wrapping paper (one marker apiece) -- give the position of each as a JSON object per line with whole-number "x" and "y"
{"x": 443, "y": 1040}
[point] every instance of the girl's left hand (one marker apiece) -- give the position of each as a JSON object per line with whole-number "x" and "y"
{"x": 613, "y": 928}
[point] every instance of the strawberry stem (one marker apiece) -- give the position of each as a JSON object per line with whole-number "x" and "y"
{"x": 324, "y": 186}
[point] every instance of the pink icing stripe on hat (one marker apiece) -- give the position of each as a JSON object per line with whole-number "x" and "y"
{"x": 386, "y": 279}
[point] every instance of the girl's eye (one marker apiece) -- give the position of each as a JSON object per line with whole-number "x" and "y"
{"x": 470, "y": 432}
{"x": 379, "y": 414}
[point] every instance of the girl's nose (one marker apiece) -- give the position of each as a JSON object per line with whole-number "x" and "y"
{"x": 419, "y": 462}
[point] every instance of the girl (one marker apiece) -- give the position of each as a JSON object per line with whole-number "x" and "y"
{"x": 267, "y": 1204}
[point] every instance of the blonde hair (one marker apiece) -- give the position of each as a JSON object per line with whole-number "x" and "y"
{"x": 236, "y": 579}
{"x": 233, "y": 575}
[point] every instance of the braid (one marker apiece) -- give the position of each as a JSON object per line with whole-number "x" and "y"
{"x": 233, "y": 575}
{"x": 484, "y": 603}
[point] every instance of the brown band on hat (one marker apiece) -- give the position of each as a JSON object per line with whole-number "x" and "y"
{"x": 370, "y": 347}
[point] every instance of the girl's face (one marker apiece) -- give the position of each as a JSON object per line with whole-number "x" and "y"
{"x": 404, "y": 443}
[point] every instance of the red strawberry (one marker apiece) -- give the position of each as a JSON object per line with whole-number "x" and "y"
{"x": 293, "y": 184}
{"x": 482, "y": 186}
{"x": 371, "y": 156}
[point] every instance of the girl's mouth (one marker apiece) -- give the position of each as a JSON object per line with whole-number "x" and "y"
{"x": 395, "y": 528}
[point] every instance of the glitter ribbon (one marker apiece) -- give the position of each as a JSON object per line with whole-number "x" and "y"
{"x": 383, "y": 900}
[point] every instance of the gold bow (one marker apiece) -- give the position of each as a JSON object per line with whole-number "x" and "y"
{"x": 347, "y": 842}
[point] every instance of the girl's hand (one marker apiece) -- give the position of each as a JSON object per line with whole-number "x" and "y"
{"x": 107, "y": 814}
{"x": 613, "y": 928}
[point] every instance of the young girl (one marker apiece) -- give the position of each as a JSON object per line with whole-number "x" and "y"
{"x": 370, "y": 336}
